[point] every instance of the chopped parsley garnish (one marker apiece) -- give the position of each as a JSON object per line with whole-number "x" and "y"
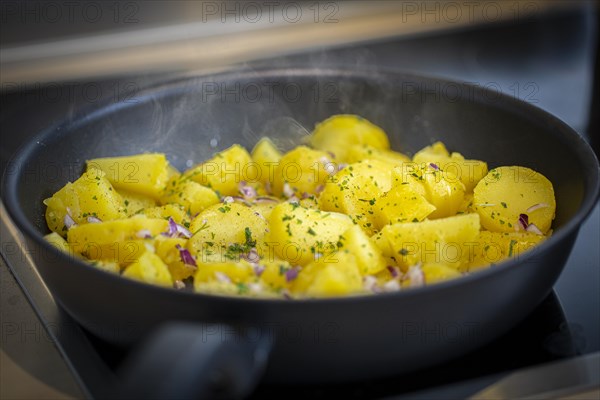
{"x": 510, "y": 247}
{"x": 249, "y": 241}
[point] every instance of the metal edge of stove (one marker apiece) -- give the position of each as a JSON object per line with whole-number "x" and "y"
{"x": 89, "y": 371}
{"x": 555, "y": 380}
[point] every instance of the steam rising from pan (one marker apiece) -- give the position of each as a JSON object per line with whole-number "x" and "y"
{"x": 285, "y": 132}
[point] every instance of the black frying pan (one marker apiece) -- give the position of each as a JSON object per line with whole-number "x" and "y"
{"x": 327, "y": 340}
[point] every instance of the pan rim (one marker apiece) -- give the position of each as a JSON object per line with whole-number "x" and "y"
{"x": 90, "y": 113}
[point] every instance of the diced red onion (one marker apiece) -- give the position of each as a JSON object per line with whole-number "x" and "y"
{"x": 331, "y": 154}
{"x": 144, "y": 234}
{"x": 305, "y": 195}
{"x": 172, "y": 227}
{"x": 176, "y": 230}
{"x": 221, "y": 277}
{"x": 416, "y": 276}
{"x": 393, "y": 271}
{"x": 252, "y": 256}
{"x": 370, "y": 283}
{"x": 319, "y": 189}
{"x": 330, "y": 167}
{"x": 537, "y": 207}
{"x": 186, "y": 256}
{"x": 227, "y": 199}
{"x": 69, "y": 221}
{"x": 534, "y": 229}
{"x": 434, "y": 166}
{"x": 93, "y": 220}
{"x": 523, "y": 221}
{"x": 341, "y": 166}
{"x": 291, "y": 274}
{"x": 391, "y": 286}
{"x": 248, "y": 192}
{"x": 183, "y": 231}
{"x": 179, "y": 285}
{"x": 255, "y": 287}
{"x": 259, "y": 269}
{"x": 265, "y": 199}
{"x": 287, "y": 190}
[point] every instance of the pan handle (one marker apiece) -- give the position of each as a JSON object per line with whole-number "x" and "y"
{"x": 195, "y": 361}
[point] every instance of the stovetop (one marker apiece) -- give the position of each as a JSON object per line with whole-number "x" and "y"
{"x": 50, "y": 356}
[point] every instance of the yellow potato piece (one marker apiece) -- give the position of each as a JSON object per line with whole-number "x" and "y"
{"x": 191, "y": 195}
{"x": 470, "y": 172}
{"x": 265, "y": 207}
{"x": 267, "y": 156}
{"x": 175, "y": 211}
{"x": 466, "y": 206}
{"x": 432, "y": 273}
{"x": 224, "y": 231}
{"x": 144, "y": 174}
{"x": 401, "y": 204}
{"x": 59, "y": 242}
{"x": 365, "y": 152}
{"x": 356, "y": 191}
{"x": 166, "y": 249}
{"x": 149, "y": 268}
{"x": 507, "y": 192}
{"x": 494, "y": 247}
{"x": 107, "y": 266}
{"x": 324, "y": 278}
{"x": 303, "y": 170}
{"x": 236, "y": 272}
{"x": 446, "y": 241}
{"x": 120, "y": 240}
{"x": 299, "y": 235}
{"x": 440, "y": 188}
{"x": 435, "y": 273}
{"x": 274, "y": 274}
{"x": 340, "y": 132}
{"x": 134, "y": 202}
{"x": 367, "y": 255}
{"x": 226, "y": 171}
{"x": 91, "y": 195}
